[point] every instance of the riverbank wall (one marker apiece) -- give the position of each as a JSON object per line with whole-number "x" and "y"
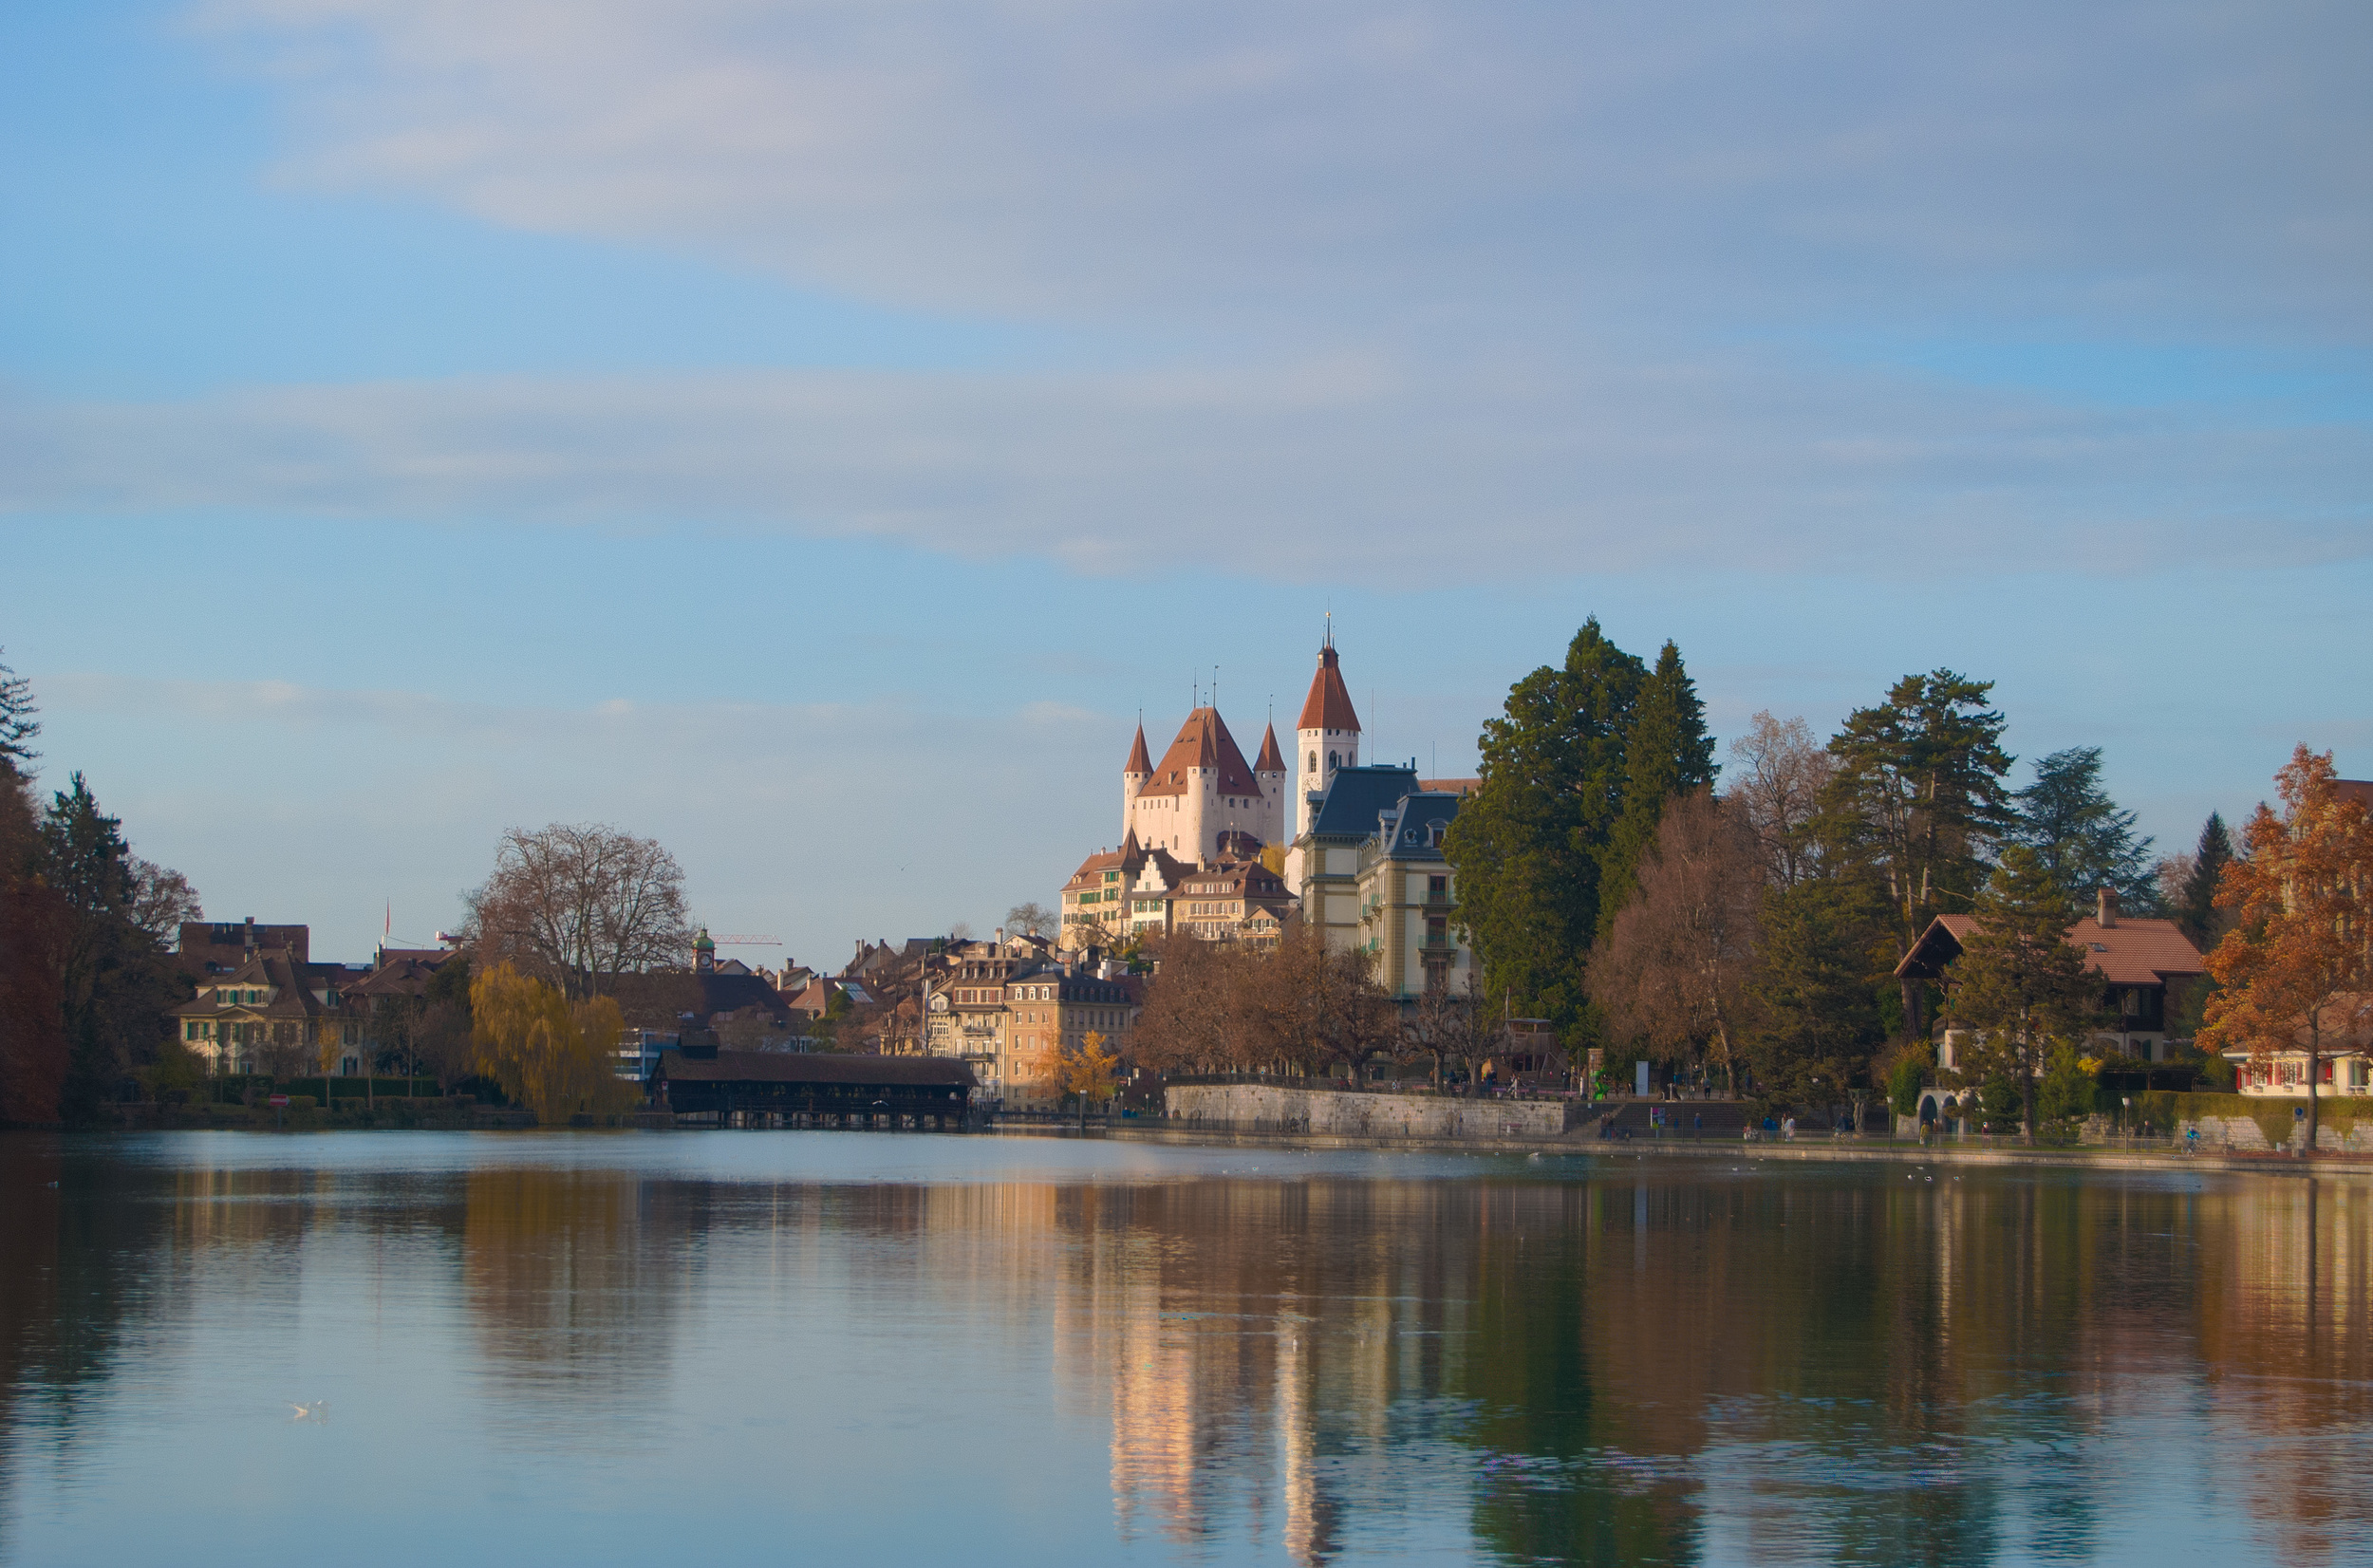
{"x": 1585, "y": 1144}
{"x": 1356, "y": 1113}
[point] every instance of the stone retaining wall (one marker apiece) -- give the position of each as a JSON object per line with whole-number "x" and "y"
{"x": 2243, "y": 1133}
{"x": 1269, "y": 1107}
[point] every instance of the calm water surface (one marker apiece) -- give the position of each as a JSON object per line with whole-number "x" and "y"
{"x": 746, "y": 1347}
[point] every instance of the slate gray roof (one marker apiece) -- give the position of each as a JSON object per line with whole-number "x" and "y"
{"x": 1411, "y": 822}
{"x": 1357, "y": 796}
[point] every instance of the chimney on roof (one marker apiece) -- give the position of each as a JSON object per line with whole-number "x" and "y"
{"x": 250, "y": 933}
{"x": 2106, "y": 909}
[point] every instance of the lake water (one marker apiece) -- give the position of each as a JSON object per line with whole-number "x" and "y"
{"x": 748, "y": 1347}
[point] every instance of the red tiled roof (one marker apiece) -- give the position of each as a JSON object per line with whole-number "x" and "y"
{"x": 1138, "y": 762}
{"x": 1202, "y": 743}
{"x": 1329, "y": 704}
{"x": 2132, "y": 952}
{"x": 2360, "y": 789}
{"x": 1268, "y": 761}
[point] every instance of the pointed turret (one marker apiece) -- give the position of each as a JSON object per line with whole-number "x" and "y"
{"x": 1327, "y": 734}
{"x": 1269, "y": 761}
{"x": 1133, "y": 774}
{"x": 1329, "y": 704}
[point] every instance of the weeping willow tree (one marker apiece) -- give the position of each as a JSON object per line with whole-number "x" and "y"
{"x": 551, "y": 1056}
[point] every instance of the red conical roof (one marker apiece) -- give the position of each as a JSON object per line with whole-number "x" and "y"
{"x": 1138, "y": 761}
{"x": 1202, "y": 743}
{"x": 1329, "y": 704}
{"x": 1268, "y": 761}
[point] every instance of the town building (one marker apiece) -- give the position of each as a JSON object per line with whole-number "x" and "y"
{"x": 1322, "y": 869}
{"x": 1236, "y": 900}
{"x": 1050, "y": 1006}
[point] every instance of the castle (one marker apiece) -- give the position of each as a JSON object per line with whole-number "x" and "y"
{"x": 1204, "y": 834}
{"x": 1201, "y": 802}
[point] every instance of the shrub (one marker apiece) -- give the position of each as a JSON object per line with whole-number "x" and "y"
{"x": 1904, "y": 1082}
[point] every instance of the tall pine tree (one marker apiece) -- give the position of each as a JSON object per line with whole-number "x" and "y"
{"x": 1527, "y": 847}
{"x": 2196, "y": 912}
{"x": 1666, "y": 753}
{"x": 1918, "y": 803}
{"x": 2019, "y": 981}
{"x": 1575, "y": 775}
{"x": 116, "y": 983}
{"x": 2081, "y": 837}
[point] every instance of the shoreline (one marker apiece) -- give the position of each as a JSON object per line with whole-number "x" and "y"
{"x": 1687, "y": 1148}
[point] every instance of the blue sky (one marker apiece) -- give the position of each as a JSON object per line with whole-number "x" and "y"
{"x": 809, "y": 433}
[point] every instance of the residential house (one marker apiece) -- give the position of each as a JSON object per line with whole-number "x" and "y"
{"x": 2137, "y": 960}
{"x": 1342, "y": 818}
{"x": 1405, "y": 891}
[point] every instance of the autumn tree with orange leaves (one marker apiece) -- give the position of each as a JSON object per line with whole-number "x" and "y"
{"x": 2296, "y": 971}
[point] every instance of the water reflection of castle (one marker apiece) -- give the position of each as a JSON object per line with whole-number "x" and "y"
{"x": 1676, "y": 1367}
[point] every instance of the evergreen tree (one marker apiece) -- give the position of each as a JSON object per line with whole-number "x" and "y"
{"x": 1529, "y": 846}
{"x": 1918, "y": 803}
{"x": 115, "y": 982}
{"x": 1666, "y": 753}
{"x": 2019, "y": 983}
{"x": 2196, "y": 912}
{"x": 2082, "y": 839}
{"x": 1810, "y": 998}
{"x": 17, "y": 725}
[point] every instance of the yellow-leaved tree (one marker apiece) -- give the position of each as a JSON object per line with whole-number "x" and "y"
{"x": 554, "y": 1057}
{"x": 1086, "y": 1070}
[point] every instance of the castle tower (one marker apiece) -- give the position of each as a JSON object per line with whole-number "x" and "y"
{"x": 1326, "y": 738}
{"x": 1270, "y": 769}
{"x": 1133, "y": 775}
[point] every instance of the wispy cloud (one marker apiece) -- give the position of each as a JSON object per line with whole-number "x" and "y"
{"x": 1353, "y": 472}
{"x": 811, "y": 820}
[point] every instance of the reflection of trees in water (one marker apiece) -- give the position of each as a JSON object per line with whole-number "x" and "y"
{"x": 1931, "y": 1372}
{"x": 80, "y": 1240}
{"x": 571, "y": 1279}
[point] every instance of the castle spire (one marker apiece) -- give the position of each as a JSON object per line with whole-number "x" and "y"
{"x": 1270, "y": 760}
{"x": 1138, "y": 761}
{"x": 1329, "y": 704}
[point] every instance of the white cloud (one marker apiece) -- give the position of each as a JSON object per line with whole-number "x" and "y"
{"x": 1344, "y": 168}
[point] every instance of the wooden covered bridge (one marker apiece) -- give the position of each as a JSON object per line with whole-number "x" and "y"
{"x": 702, "y": 1083}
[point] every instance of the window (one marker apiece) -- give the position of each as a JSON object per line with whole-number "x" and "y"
{"x": 1313, "y": 766}
{"x": 1334, "y": 759}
